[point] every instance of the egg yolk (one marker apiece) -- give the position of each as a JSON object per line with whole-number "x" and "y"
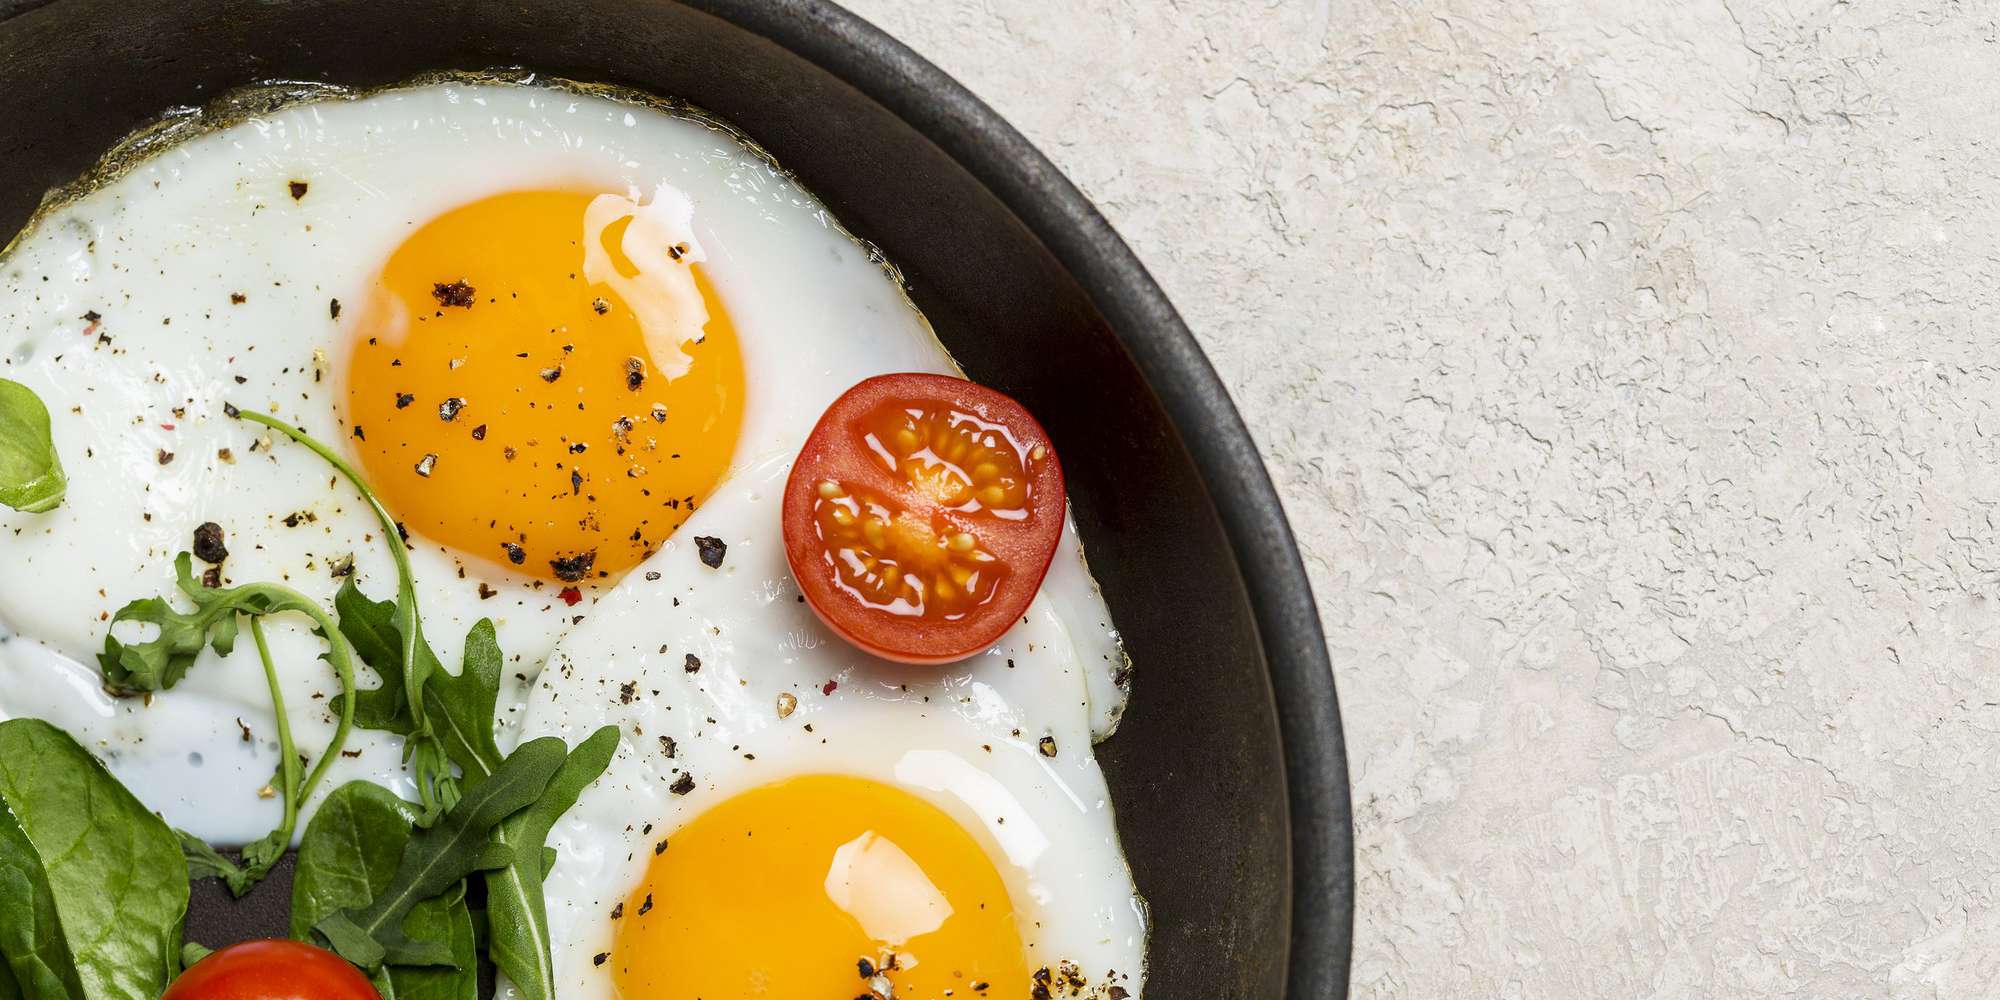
{"x": 813, "y": 887}
{"x": 535, "y": 383}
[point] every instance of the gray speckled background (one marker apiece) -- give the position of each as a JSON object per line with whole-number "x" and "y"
{"x": 1626, "y": 369}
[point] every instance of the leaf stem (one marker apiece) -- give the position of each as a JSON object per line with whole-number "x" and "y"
{"x": 435, "y": 785}
{"x": 288, "y": 755}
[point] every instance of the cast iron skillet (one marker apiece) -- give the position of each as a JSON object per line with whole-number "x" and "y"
{"x": 1229, "y": 773}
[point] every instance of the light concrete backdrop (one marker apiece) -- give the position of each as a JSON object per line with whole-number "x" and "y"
{"x": 1629, "y": 369}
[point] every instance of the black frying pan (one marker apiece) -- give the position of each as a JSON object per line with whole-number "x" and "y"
{"x": 1229, "y": 773}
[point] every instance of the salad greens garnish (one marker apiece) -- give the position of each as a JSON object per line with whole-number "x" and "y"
{"x": 161, "y": 663}
{"x": 436, "y": 859}
{"x": 415, "y": 663}
{"x": 31, "y": 473}
{"x": 348, "y": 855}
{"x": 92, "y": 886}
{"x": 450, "y": 719}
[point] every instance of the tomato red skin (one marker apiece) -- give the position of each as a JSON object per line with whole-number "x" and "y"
{"x": 1028, "y": 552}
{"x": 271, "y": 970}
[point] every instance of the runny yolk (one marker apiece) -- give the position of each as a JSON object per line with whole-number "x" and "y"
{"x": 810, "y": 887}
{"x": 532, "y": 383}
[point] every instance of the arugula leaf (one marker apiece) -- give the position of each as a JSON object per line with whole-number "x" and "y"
{"x": 348, "y": 855}
{"x": 31, "y": 474}
{"x": 414, "y": 662}
{"x": 113, "y": 868}
{"x": 515, "y": 907}
{"x": 438, "y": 858}
{"x": 460, "y": 706}
{"x": 162, "y": 662}
{"x": 36, "y": 955}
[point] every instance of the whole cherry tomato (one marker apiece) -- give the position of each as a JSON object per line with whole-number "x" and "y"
{"x": 271, "y": 970}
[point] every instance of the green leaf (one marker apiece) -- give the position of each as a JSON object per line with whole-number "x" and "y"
{"x": 375, "y": 630}
{"x": 114, "y": 869}
{"x": 349, "y": 852}
{"x": 370, "y": 627}
{"x": 160, "y": 663}
{"x": 348, "y": 856}
{"x": 31, "y": 474}
{"x": 515, "y": 907}
{"x": 204, "y": 861}
{"x": 37, "y": 962}
{"x": 193, "y": 952}
{"x": 446, "y": 920}
{"x": 461, "y": 706}
{"x": 438, "y": 858}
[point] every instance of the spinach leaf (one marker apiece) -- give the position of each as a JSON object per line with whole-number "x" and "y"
{"x": 515, "y": 907}
{"x": 163, "y": 661}
{"x": 37, "y": 959}
{"x": 437, "y": 859}
{"x": 113, "y": 868}
{"x": 348, "y": 856}
{"x": 31, "y": 474}
{"x": 414, "y": 663}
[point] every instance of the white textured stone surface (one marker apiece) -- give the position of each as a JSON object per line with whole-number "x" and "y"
{"x": 1634, "y": 398}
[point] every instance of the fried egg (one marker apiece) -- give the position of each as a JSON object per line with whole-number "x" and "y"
{"x": 496, "y": 300}
{"x": 786, "y": 813}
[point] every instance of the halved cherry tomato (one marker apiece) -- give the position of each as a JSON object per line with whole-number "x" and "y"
{"x": 921, "y": 515}
{"x": 271, "y": 970}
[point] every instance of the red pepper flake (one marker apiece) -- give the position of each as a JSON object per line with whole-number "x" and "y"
{"x": 829, "y": 687}
{"x": 571, "y": 596}
{"x": 166, "y": 427}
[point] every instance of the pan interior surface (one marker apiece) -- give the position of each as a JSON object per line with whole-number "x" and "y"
{"x": 1198, "y": 768}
